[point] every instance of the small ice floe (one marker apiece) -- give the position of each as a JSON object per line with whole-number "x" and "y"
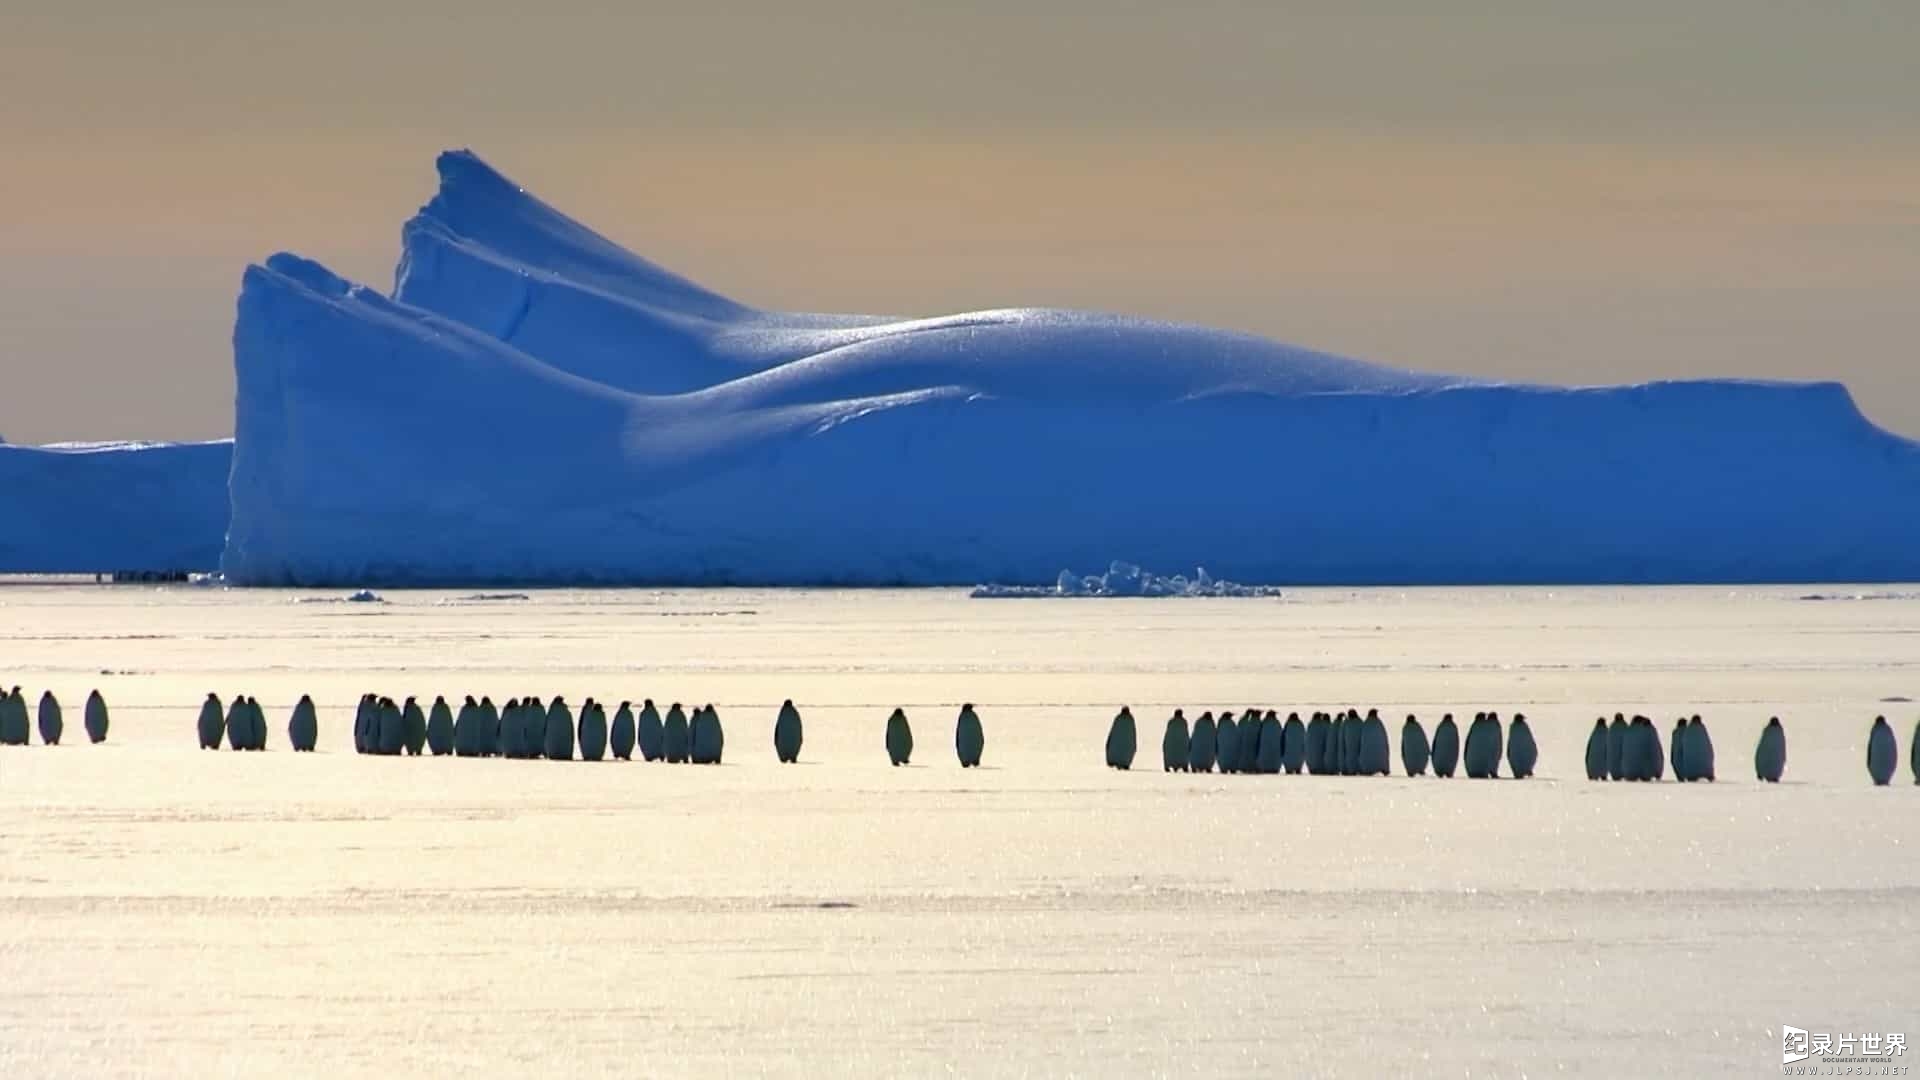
{"x": 1126, "y": 579}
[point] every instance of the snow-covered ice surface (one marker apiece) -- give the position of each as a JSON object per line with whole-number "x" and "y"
{"x": 88, "y": 508}
{"x": 166, "y": 912}
{"x": 535, "y": 404}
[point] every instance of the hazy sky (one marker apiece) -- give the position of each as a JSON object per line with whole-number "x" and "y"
{"x": 1568, "y": 192}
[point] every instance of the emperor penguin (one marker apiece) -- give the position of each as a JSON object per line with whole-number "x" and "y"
{"x": 468, "y": 739}
{"x": 650, "y": 735}
{"x": 969, "y": 738}
{"x": 674, "y": 735}
{"x": 706, "y": 739}
{"x": 393, "y": 728}
{"x": 558, "y": 745}
{"x": 239, "y": 724}
{"x": 1634, "y": 750}
{"x": 416, "y": 726}
{"x": 440, "y": 727}
{"x": 1883, "y": 752}
{"x": 533, "y": 727}
{"x": 303, "y": 727}
{"x": 1226, "y": 741}
{"x": 1656, "y": 767}
{"x": 1413, "y": 747}
{"x": 259, "y": 722}
{"x": 1350, "y": 743}
{"x": 1522, "y": 752}
{"x": 1699, "y": 750}
{"x": 489, "y": 738}
{"x": 1248, "y": 760}
{"x": 1677, "y": 751}
{"x": 363, "y": 724}
{"x": 96, "y": 718}
{"x": 1913, "y": 753}
{"x": 593, "y": 731}
{"x": 1204, "y": 744}
{"x": 620, "y": 738}
{"x": 787, "y": 733}
{"x": 1597, "y": 750}
{"x": 50, "y": 722}
{"x": 14, "y": 729}
{"x": 1770, "y": 757}
{"x": 1122, "y": 741}
{"x": 213, "y": 723}
{"x": 1446, "y": 747}
{"x": 1479, "y": 752}
{"x": 1272, "y": 753}
{"x": 1318, "y": 744}
{"x": 899, "y": 738}
{"x": 1295, "y": 755}
{"x": 1616, "y": 747}
{"x": 1376, "y": 753}
{"x": 1173, "y": 744}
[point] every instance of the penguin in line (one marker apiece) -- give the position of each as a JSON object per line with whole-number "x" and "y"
{"x": 1319, "y": 736}
{"x": 1699, "y": 751}
{"x": 362, "y": 723}
{"x": 969, "y": 739}
{"x": 788, "y": 733}
{"x": 1271, "y": 749}
{"x": 95, "y": 718}
{"x": 1913, "y": 753}
{"x": 1481, "y": 756}
{"x": 1226, "y": 741}
{"x": 1247, "y": 760}
{"x": 558, "y": 745}
{"x": 1350, "y": 740}
{"x": 1295, "y": 753}
{"x": 488, "y": 718}
{"x": 1522, "y": 752}
{"x": 1122, "y": 741}
{"x": 1446, "y": 747}
{"x": 675, "y": 735}
{"x": 239, "y": 724}
{"x": 1173, "y": 745}
{"x": 1413, "y": 747}
{"x": 1203, "y": 746}
{"x": 1656, "y": 767}
{"x": 213, "y": 723}
{"x": 1770, "y": 757}
{"x": 1642, "y": 747}
{"x": 899, "y": 738}
{"x": 1677, "y": 751}
{"x": 440, "y": 727}
{"x": 593, "y": 731}
{"x": 1376, "y": 754}
{"x": 1616, "y": 747}
{"x": 533, "y": 727}
{"x": 1597, "y": 750}
{"x": 1882, "y": 752}
{"x": 14, "y": 729}
{"x": 303, "y": 727}
{"x": 706, "y": 739}
{"x": 415, "y": 723}
{"x": 51, "y": 724}
{"x": 650, "y": 733}
{"x": 620, "y": 738}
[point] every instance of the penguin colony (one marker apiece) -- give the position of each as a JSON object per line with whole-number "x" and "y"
{"x": 1327, "y": 744}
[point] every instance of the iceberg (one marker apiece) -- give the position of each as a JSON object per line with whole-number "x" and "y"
{"x": 535, "y": 405}
{"x": 113, "y": 508}
{"x": 1124, "y": 579}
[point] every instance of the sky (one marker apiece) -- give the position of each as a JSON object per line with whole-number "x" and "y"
{"x": 1525, "y": 189}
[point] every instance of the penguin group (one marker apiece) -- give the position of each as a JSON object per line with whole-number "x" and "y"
{"x": 1342, "y": 743}
{"x": 528, "y": 728}
{"x": 17, "y": 726}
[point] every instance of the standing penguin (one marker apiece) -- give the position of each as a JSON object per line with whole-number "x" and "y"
{"x": 1350, "y": 743}
{"x": 416, "y": 727}
{"x": 1413, "y": 747}
{"x": 440, "y": 727}
{"x": 487, "y": 716}
{"x": 1271, "y": 756}
{"x": 1122, "y": 741}
{"x": 706, "y": 740}
{"x": 1480, "y": 757}
{"x": 391, "y": 734}
{"x": 899, "y": 738}
{"x": 213, "y": 723}
{"x": 1913, "y": 753}
{"x": 1636, "y": 760}
{"x": 1446, "y": 747}
{"x": 649, "y": 733}
{"x": 1319, "y": 735}
{"x": 593, "y": 731}
{"x": 1226, "y": 741}
{"x": 468, "y": 739}
{"x": 96, "y": 717}
{"x": 1376, "y": 752}
{"x": 239, "y": 724}
{"x": 1295, "y": 755}
{"x": 1522, "y": 752}
{"x": 362, "y": 724}
{"x": 1248, "y": 759}
{"x": 1173, "y": 744}
{"x": 303, "y": 727}
{"x": 675, "y": 735}
{"x": 1203, "y": 746}
{"x": 558, "y": 743}
{"x": 50, "y": 722}
{"x": 969, "y": 739}
{"x": 14, "y": 729}
{"x": 1883, "y": 752}
{"x": 1597, "y": 750}
{"x": 259, "y": 722}
{"x": 787, "y": 733}
{"x": 1656, "y": 765}
{"x": 1616, "y": 747}
{"x": 620, "y": 739}
{"x": 1677, "y": 751}
{"x": 1699, "y": 751}
{"x": 1770, "y": 757}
